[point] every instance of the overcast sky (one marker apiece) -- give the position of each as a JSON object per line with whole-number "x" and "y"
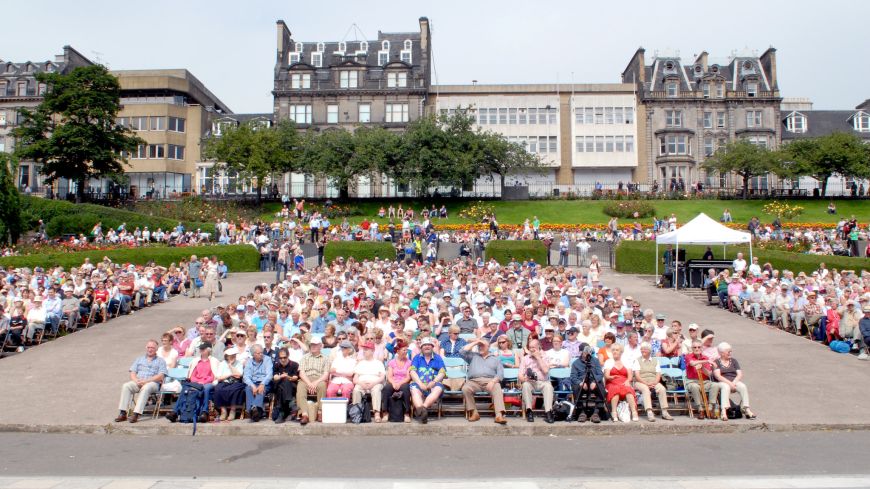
{"x": 822, "y": 48}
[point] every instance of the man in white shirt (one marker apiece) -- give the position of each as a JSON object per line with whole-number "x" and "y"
{"x": 368, "y": 377}
{"x": 739, "y": 264}
{"x": 755, "y": 268}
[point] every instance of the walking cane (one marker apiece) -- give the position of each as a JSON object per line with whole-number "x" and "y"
{"x": 701, "y": 379}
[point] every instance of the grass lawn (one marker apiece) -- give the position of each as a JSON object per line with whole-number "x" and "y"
{"x": 590, "y": 211}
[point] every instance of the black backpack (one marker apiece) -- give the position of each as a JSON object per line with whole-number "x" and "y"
{"x": 562, "y": 410}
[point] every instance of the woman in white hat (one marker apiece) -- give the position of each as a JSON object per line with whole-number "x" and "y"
{"x": 229, "y": 395}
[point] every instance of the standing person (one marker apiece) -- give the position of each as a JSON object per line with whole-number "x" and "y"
{"x": 583, "y": 248}
{"x": 563, "y": 251}
{"x": 210, "y": 272}
{"x": 194, "y": 270}
{"x": 281, "y": 266}
{"x": 146, "y": 375}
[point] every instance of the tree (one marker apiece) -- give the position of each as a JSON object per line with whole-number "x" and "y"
{"x": 745, "y": 159}
{"x": 836, "y": 153}
{"x": 496, "y": 155}
{"x": 73, "y": 131}
{"x": 330, "y": 154}
{"x": 11, "y": 223}
{"x": 254, "y": 151}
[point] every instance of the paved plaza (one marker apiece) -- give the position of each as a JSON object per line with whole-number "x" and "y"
{"x": 72, "y": 384}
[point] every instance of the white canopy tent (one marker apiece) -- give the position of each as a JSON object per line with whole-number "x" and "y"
{"x": 702, "y": 230}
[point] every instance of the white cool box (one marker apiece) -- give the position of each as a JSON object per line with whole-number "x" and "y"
{"x": 334, "y": 410}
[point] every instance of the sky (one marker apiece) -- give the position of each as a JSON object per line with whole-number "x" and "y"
{"x": 230, "y": 46}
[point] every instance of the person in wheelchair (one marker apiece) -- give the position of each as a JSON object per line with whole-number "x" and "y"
{"x": 587, "y": 382}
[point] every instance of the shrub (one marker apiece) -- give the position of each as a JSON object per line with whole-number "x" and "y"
{"x": 504, "y": 251}
{"x": 81, "y": 223}
{"x": 782, "y": 209}
{"x": 239, "y": 258}
{"x": 629, "y": 209}
{"x": 358, "y": 250}
{"x": 639, "y": 257}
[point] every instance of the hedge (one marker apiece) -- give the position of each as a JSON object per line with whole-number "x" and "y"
{"x": 61, "y": 217}
{"x": 358, "y": 250}
{"x": 639, "y": 257}
{"x": 503, "y": 251}
{"x": 239, "y": 258}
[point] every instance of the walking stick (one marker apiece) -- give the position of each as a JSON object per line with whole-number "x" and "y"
{"x": 701, "y": 379}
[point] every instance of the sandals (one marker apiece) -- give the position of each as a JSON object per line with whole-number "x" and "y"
{"x": 650, "y": 416}
{"x": 748, "y": 414}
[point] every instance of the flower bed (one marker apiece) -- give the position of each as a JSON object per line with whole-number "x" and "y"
{"x": 629, "y": 209}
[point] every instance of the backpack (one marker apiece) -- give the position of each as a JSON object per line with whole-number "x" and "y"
{"x": 355, "y": 413}
{"x": 562, "y": 410}
{"x": 840, "y": 346}
{"x": 189, "y": 402}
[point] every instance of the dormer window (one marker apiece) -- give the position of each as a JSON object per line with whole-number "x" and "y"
{"x": 385, "y": 45}
{"x": 348, "y": 79}
{"x": 49, "y": 67}
{"x": 363, "y": 48}
{"x": 320, "y": 47}
{"x": 317, "y": 59}
{"x": 405, "y": 55}
{"x": 298, "y": 46}
{"x": 861, "y": 122}
{"x": 720, "y": 90}
{"x": 300, "y": 80}
{"x": 751, "y": 89}
{"x": 397, "y": 79}
{"x": 796, "y": 123}
{"x": 705, "y": 87}
{"x": 408, "y": 44}
{"x": 294, "y": 58}
{"x": 383, "y": 57}
{"x": 672, "y": 88}
{"x": 10, "y": 68}
{"x": 342, "y": 47}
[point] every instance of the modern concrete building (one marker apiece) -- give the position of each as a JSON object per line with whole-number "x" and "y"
{"x": 20, "y": 89}
{"x": 583, "y": 133}
{"x": 690, "y": 110}
{"x": 172, "y": 111}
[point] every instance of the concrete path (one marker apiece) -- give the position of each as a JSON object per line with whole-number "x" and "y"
{"x": 76, "y": 379}
{"x": 790, "y": 379}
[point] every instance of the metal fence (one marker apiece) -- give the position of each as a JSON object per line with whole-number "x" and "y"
{"x": 601, "y": 249}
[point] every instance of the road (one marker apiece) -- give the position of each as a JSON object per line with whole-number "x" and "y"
{"x": 476, "y": 458}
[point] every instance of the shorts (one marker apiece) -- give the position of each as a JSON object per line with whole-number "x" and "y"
{"x": 425, "y": 392}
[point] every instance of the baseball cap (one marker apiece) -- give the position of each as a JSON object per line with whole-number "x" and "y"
{"x": 315, "y": 340}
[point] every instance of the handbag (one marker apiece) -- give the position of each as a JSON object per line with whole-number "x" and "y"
{"x": 220, "y": 286}
{"x": 622, "y": 412}
{"x": 198, "y": 282}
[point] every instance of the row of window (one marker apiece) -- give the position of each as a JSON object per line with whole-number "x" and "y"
{"x": 348, "y": 79}
{"x": 537, "y": 144}
{"x": 797, "y": 123}
{"x": 156, "y": 151}
{"x": 383, "y": 55}
{"x": 604, "y": 115}
{"x": 21, "y": 88}
{"x": 152, "y": 123}
{"x": 681, "y": 144}
{"x": 672, "y": 89}
{"x": 302, "y": 113}
{"x": 604, "y": 144}
{"x": 754, "y": 119}
{"x": 516, "y": 116}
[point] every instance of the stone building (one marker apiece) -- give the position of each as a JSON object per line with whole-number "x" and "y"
{"x": 20, "y": 89}
{"x": 693, "y": 109}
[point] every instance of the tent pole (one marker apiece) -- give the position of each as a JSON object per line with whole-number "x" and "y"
{"x": 750, "y": 249}
{"x": 657, "y": 260}
{"x": 675, "y": 260}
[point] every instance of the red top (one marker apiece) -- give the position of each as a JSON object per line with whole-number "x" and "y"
{"x": 691, "y": 373}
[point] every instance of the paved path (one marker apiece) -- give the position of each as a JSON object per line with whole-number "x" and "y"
{"x": 790, "y": 379}
{"x": 76, "y": 379}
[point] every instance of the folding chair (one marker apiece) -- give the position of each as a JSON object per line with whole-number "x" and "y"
{"x": 510, "y": 389}
{"x": 185, "y": 362}
{"x": 557, "y": 375}
{"x": 177, "y": 373}
{"x": 455, "y": 368}
{"x": 677, "y": 390}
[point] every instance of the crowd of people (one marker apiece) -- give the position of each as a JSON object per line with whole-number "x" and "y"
{"x": 41, "y": 303}
{"x": 826, "y": 305}
{"x": 408, "y": 336}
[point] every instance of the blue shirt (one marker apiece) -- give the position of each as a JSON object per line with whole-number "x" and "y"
{"x": 319, "y": 324}
{"x": 259, "y": 322}
{"x": 427, "y": 371}
{"x": 454, "y": 350}
{"x": 258, "y": 373}
{"x": 145, "y": 368}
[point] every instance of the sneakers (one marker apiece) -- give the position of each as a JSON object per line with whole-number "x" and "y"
{"x": 595, "y": 417}
{"x": 863, "y": 356}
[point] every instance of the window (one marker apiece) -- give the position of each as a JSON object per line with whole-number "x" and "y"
{"x": 674, "y": 144}
{"x": 22, "y": 89}
{"x": 720, "y": 120}
{"x": 363, "y": 47}
{"x": 502, "y": 115}
{"x": 176, "y": 124}
{"x": 482, "y": 114}
{"x": 397, "y": 79}
{"x": 672, "y": 89}
{"x": 522, "y": 117}
{"x": 342, "y": 47}
{"x": 608, "y": 115}
{"x": 294, "y": 58}
{"x": 629, "y": 115}
{"x": 862, "y": 122}
{"x": 590, "y": 144}
{"x": 512, "y": 116}
{"x": 383, "y": 57}
{"x": 608, "y": 144}
{"x": 158, "y": 124}
{"x": 753, "y": 118}
{"x": 629, "y": 144}
{"x": 796, "y": 123}
{"x": 533, "y": 145}
{"x": 332, "y": 114}
{"x": 176, "y": 152}
{"x": 156, "y": 151}
{"x": 708, "y": 120}
{"x": 751, "y": 89}
{"x": 579, "y": 115}
{"x": 365, "y": 113}
{"x": 705, "y": 88}
{"x": 708, "y": 146}
{"x": 533, "y": 116}
{"x": 300, "y": 80}
{"x": 553, "y": 144}
{"x": 396, "y": 113}
{"x": 139, "y": 123}
{"x": 3, "y": 88}
{"x": 551, "y": 111}
{"x": 720, "y": 90}
{"x": 317, "y": 59}
{"x": 493, "y": 116}
{"x": 620, "y": 144}
{"x": 298, "y": 47}
{"x": 579, "y": 143}
{"x": 760, "y": 141}
{"x": 300, "y": 114}
{"x": 347, "y": 79}
{"x": 3, "y": 119}
{"x": 405, "y": 55}
{"x": 617, "y": 115}
{"x": 674, "y": 118}
{"x": 599, "y": 115}
{"x": 385, "y": 45}
{"x": 2, "y": 144}
{"x": 408, "y": 44}
{"x": 40, "y": 89}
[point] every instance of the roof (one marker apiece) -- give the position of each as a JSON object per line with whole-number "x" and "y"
{"x": 823, "y": 123}
{"x": 705, "y": 231}
{"x": 544, "y": 88}
{"x": 195, "y": 88}
{"x": 372, "y": 48}
{"x": 733, "y": 71}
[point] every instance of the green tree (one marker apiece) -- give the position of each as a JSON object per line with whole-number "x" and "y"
{"x": 497, "y": 156}
{"x": 745, "y": 159}
{"x": 330, "y": 154}
{"x": 837, "y": 153}
{"x": 73, "y": 131}
{"x": 11, "y": 223}
{"x": 255, "y": 152}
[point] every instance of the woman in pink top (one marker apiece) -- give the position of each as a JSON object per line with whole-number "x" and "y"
{"x": 397, "y": 391}
{"x": 180, "y": 343}
{"x": 200, "y": 374}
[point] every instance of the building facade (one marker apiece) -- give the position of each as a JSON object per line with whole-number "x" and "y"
{"x": 20, "y": 89}
{"x": 172, "y": 111}
{"x": 801, "y": 123}
{"x": 583, "y": 133}
{"x": 211, "y": 178}
{"x": 691, "y": 110}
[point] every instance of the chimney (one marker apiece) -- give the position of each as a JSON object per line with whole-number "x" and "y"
{"x": 702, "y": 60}
{"x": 768, "y": 62}
{"x": 426, "y": 50}
{"x": 284, "y": 42}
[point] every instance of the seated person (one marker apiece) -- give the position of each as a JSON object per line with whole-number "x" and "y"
{"x": 728, "y": 375}
{"x": 257, "y": 376}
{"x": 647, "y": 379}
{"x": 533, "y": 377}
{"x": 341, "y": 372}
{"x": 587, "y": 381}
{"x": 397, "y": 390}
{"x": 368, "y": 378}
{"x": 485, "y": 373}
{"x": 146, "y": 375}
{"x": 200, "y": 374}
{"x": 697, "y": 362}
{"x": 617, "y": 378}
{"x": 285, "y": 376}
{"x": 313, "y": 372}
{"x": 229, "y": 394}
{"x": 427, "y": 372}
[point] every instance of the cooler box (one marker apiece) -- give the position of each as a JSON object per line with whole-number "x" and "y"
{"x": 334, "y": 410}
